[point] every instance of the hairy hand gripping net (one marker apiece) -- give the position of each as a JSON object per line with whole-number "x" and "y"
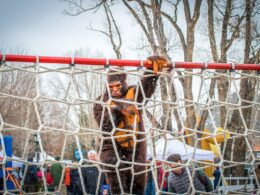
{"x": 104, "y": 126}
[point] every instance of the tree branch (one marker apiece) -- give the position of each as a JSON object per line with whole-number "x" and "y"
{"x": 211, "y": 32}
{"x": 149, "y": 26}
{"x": 177, "y": 28}
{"x": 110, "y": 17}
{"x": 196, "y": 12}
{"x": 234, "y": 34}
{"x": 80, "y": 7}
{"x": 186, "y": 6}
{"x": 138, "y": 21}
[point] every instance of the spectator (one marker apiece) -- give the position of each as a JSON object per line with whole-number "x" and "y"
{"x": 49, "y": 180}
{"x": 14, "y": 177}
{"x": 178, "y": 180}
{"x": 67, "y": 176}
{"x": 16, "y": 173}
{"x": 75, "y": 187}
{"x": 20, "y": 173}
{"x": 39, "y": 173}
{"x": 39, "y": 181}
{"x": 162, "y": 177}
{"x": 92, "y": 155}
{"x": 216, "y": 175}
{"x": 30, "y": 180}
{"x": 91, "y": 175}
{"x": 150, "y": 188}
{"x": 1, "y": 169}
{"x": 56, "y": 171}
{"x": 257, "y": 172}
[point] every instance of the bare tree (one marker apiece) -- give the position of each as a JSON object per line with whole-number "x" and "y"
{"x": 226, "y": 21}
{"x": 112, "y": 31}
{"x": 112, "y": 36}
{"x": 80, "y": 86}
{"x": 247, "y": 93}
{"x": 234, "y": 17}
{"x": 21, "y": 114}
{"x": 231, "y": 17}
{"x": 15, "y": 111}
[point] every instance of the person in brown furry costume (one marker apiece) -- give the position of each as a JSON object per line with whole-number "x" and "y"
{"x": 123, "y": 145}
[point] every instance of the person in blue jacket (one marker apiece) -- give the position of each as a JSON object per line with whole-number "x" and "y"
{"x": 216, "y": 175}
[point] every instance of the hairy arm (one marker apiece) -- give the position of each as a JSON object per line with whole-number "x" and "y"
{"x": 149, "y": 85}
{"x": 149, "y": 79}
{"x": 106, "y": 124}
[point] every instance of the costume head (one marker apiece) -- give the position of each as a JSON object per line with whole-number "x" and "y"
{"x": 117, "y": 84}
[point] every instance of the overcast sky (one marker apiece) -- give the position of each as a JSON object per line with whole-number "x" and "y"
{"x": 42, "y": 29}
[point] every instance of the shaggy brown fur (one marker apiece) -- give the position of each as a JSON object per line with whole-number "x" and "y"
{"x": 108, "y": 152}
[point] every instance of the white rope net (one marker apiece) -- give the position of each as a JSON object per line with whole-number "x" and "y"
{"x": 47, "y": 110}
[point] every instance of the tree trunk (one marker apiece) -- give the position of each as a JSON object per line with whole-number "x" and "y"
{"x": 187, "y": 84}
{"x": 247, "y": 93}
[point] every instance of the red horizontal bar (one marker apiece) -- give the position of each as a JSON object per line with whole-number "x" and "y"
{"x": 119, "y": 62}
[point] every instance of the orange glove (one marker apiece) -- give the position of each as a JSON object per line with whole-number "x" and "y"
{"x": 158, "y": 63}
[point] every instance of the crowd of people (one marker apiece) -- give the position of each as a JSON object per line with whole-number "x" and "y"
{"x": 91, "y": 176}
{"x": 93, "y": 181}
{"x": 31, "y": 176}
{"x": 177, "y": 180}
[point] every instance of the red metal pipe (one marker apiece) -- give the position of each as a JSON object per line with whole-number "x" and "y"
{"x": 117, "y": 62}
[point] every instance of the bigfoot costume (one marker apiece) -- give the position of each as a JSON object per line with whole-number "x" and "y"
{"x": 129, "y": 136}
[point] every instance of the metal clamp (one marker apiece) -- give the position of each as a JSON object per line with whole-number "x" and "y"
{"x": 205, "y": 65}
{"x": 233, "y": 67}
{"x": 72, "y": 64}
{"x": 107, "y": 65}
{"x": 2, "y": 60}
{"x": 37, "y": 60}
{"x": 258, "y": 72}
{"x": 141, "y": 66}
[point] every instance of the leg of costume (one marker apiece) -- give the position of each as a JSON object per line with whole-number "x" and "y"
{"x": 140, "y": 179}
{"x": 108, "y": 156}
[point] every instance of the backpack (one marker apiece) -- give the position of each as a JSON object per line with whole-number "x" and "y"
{"x": 205, "y": 180}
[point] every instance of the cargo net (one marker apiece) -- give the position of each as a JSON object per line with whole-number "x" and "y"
{"x": 52, "y": 123}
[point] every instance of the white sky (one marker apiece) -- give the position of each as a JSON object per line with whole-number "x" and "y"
{"x": 41, "y": 28}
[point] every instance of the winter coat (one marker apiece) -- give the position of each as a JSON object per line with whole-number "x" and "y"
{"x": 75, "y": 187}
{"x": 216, "y": 175}
{"x": 150, "y": 187}
{"x": 90, "y": 176}
{"x": 162, "y": 177}
{"x": 180, "y": 183}
{"x": 30, "y": 175}
{"x": 49, "y": 178}
{"x": 56, "y": 171}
